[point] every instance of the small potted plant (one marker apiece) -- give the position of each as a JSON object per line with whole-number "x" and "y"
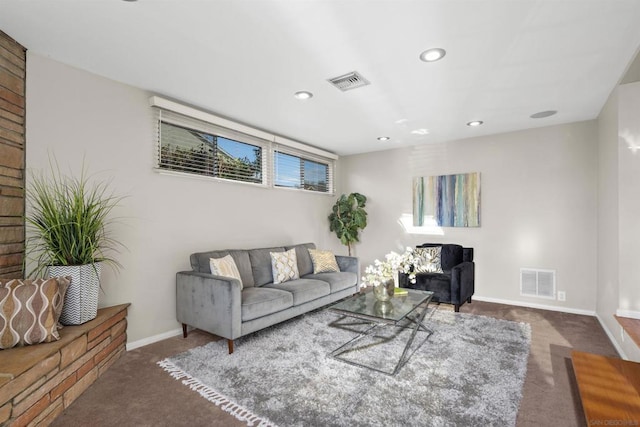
{"x": 68, "y": 226}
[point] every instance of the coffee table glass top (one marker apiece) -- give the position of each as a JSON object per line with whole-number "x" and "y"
{"x": 394, "y": 310}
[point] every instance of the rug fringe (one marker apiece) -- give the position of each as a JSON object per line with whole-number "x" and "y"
{"x": 238, "y": 411}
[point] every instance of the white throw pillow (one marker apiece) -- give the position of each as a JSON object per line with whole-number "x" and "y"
{"x": 225, "y": 267}
{"x": 284, "y": 266}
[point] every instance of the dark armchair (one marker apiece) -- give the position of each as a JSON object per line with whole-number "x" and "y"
{"x": 456, "y": 284}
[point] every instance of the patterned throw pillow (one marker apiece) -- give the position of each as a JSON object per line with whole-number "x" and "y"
{"x": 323, "y": 261}
{"x": 29, "y": 310}
{"x": 284, "y": 266}
{"x": 429, "y": 260}
{"x": 225, "y": 267}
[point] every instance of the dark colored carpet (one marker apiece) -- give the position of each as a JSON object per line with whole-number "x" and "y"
{"x": 137, "y": 392}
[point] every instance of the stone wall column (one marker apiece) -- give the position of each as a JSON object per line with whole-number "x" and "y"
{"x": 12, "y": 156}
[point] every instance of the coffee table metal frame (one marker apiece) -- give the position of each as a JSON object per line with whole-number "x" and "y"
{"x": 407, "y": 312}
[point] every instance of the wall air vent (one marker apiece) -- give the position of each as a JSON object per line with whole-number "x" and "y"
{"x": 538, "y": 283}
{"x": 349, "y": 81}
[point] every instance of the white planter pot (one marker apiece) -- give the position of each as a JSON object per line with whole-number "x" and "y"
{"x": 81, "y": 300}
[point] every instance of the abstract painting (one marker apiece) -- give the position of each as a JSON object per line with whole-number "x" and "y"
{"x": 447, "y": 200}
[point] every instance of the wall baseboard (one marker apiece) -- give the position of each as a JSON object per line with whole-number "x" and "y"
{"x": 153, "y": 339}
{"x": 534, "y": 305}
{"x": 628, "y": 313}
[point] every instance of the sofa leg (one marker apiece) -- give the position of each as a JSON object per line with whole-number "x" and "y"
{"x": 230, "y": 342}
{"x": 184, "y": 330}
{"x": 456, "y": 308}
{"x": 469, "y": 300}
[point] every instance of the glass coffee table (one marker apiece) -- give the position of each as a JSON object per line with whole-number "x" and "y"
{"x": 378, "y": 323}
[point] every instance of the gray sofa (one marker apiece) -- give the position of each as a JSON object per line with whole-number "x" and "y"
{"x": 217, "y": 304}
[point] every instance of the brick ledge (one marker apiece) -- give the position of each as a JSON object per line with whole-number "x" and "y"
{"x": 15, "y": 361}
{"x": 38, "y": 382}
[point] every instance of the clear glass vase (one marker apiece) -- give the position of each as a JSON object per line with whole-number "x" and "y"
{"x": 384, "y": 291}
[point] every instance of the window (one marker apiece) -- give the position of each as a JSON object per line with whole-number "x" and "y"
{"x": 297, "y": 172}
{"x": 193, "y": 151}
{"x": 196, "y": 142}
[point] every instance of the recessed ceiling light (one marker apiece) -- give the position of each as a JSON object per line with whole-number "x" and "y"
{"x": 383, "y": 138}
{"x": 420, "y": 131}
{"x": 303, "y": 94}
{"x": 475, "y": 123}
{"x": 431, "y": 55}
{"x": 543, "y": 114}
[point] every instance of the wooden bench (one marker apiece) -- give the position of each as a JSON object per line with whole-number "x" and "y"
{"x": 609, "y": 389}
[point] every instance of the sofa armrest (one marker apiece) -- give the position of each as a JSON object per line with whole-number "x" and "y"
{"x": 463, "y": 281}
{"x": 208, "y": 302}
{"x": 348, "y": 263}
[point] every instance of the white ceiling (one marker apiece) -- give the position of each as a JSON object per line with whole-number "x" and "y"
{"x": 506, "y": 59}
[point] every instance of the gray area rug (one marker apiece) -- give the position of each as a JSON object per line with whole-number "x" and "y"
{"x": 468, "y": 372}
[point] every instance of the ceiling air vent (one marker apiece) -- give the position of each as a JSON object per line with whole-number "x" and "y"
{"x": 349, "y": 81}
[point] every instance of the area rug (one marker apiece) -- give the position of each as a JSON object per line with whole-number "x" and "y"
{"x": 468, "y": 371}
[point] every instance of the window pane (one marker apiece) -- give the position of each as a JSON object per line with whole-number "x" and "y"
{"x": 316, "y": 176}
{"x": 192, "y": 151}
{"x": 238, "y": 160}
{"x": 295, "y": 172}
{"x": 287, "y": 170}
{"x": 186, "y": 150}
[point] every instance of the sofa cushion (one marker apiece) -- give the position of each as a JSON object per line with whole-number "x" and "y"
{"x": 303, "y": 290}
{"x": 225, "y": 267}
{"x": 284, "y": 266}
{"x": 439, "y": 284}
{"x": 261, "y": 301}
{"x": 337, "y": 281}
{"x": 323, "y": 261}
{"x": 305, "y": 265}
{"x": 261, "y": 264}
{"x": 200, "y": 263}
{"x": 29, "y": 310}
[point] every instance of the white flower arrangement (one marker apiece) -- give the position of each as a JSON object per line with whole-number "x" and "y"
{"x": 382, "y": 271}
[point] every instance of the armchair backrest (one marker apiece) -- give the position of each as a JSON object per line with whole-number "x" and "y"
{"x": 451, "y": 254}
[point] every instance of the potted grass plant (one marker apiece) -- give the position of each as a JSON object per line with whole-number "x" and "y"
{"x": 68, "y": 224}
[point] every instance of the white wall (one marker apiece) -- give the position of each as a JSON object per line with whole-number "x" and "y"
{"x": 629, "y": 197}
{"x": 618, "y": 211}
{"x": 608, "y": 214}
{"x": 539, "y": 200}
{"x": 72, "y": 115}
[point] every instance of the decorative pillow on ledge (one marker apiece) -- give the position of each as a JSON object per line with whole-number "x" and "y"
{"x": 323, "y": 261}
{"x": 284, "y": 266}
{"x": 30, "y": 309}
{"x": 429, "y": 260}
{"x": 225, "y": 267}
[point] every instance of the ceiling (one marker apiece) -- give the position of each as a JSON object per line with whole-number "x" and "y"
{"x": 244, "y": 60}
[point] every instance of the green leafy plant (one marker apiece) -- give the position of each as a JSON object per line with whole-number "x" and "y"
{"x": 348, "y": 218}
{"x": 69, "y": 221}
